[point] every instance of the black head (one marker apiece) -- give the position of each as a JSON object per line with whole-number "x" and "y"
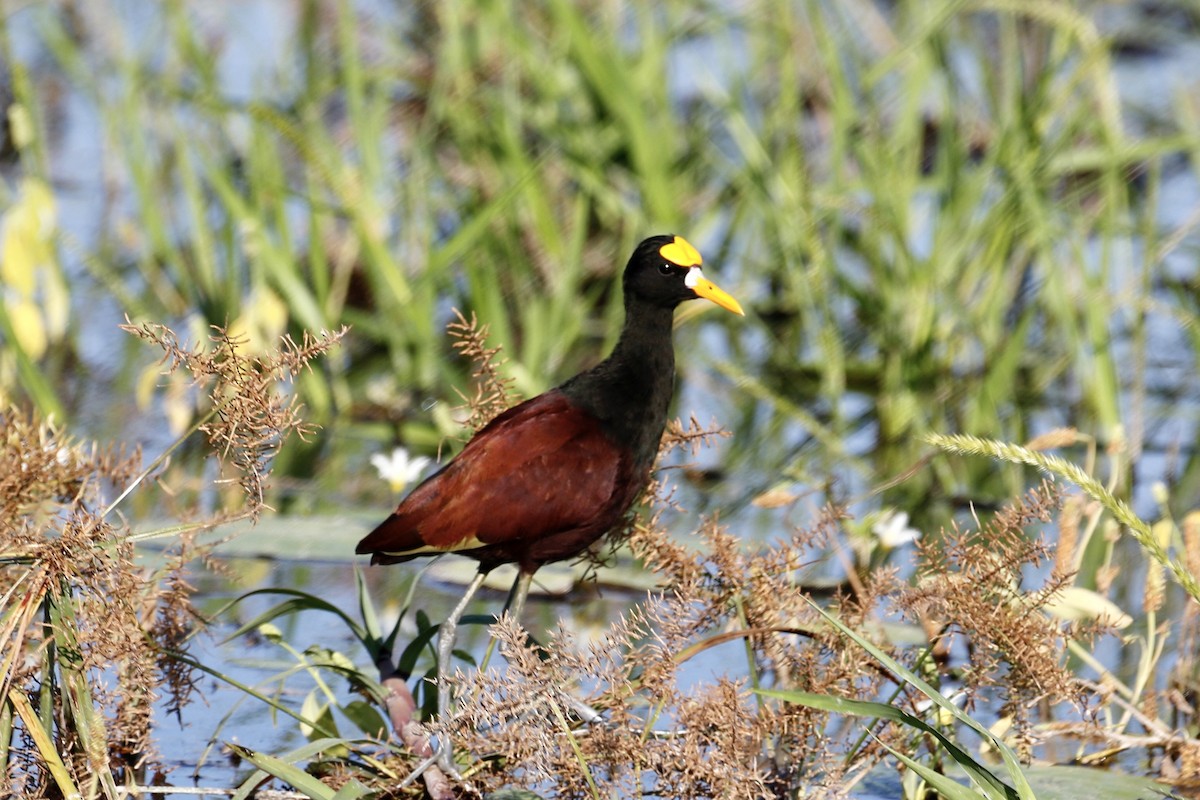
{"x": 665, "y": 270}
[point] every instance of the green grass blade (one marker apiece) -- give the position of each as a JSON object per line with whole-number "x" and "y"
{"x": 255, "y": 779}
{"x": 366, "y": 607}
{"x": 985, "y": 778}
{"x": 44, "y": 744}
{"x": 919, "y": 683}
{"x": 300, "y": 601}
{"x": 946, "y": 787}
{"x": 300, "y": 780}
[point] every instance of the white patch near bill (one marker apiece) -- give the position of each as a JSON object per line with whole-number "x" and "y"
{"x": 694, "y": 276}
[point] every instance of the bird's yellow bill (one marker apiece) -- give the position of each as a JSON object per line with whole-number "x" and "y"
{"x": 705, "y": 288}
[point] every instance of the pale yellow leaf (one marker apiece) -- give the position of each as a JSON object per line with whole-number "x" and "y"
{"x": 177, "y": 404}
{"x": 56, "y": 303}
{"x": 147, "y": 382}
{"x": 28, "y": 328}
{"x": 1076, "y": 604}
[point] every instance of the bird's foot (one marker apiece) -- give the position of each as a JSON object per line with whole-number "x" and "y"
{"x": 445, "y": 762}
{"x": 441, "y": 761}
{"x": 419, "y": 771}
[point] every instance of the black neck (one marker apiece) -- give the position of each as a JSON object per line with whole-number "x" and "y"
{"x": 630, "y": 391}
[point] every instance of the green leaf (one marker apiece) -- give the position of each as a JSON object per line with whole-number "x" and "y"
{"x": 1022, "y": 788}
{"x": 319, "y": 715}
{"x": 300, "y": 780}
{"x": 367, "y": 718}
{"x": 315, "y": 747}
{"x": 868, "y": 708}
{"x": 351, "y": 790}
{"x": 425, "y": 633}
{"x": 332, "y": 659}
{"x": 366, "y": 608}
{"x": 1071, "y": 783}
{"x": 945, "y": 786}
{"x": 300, "y": 601}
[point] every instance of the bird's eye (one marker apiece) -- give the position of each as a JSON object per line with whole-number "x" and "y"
{"x": 665, "y": 269}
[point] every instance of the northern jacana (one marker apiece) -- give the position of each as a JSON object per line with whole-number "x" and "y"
{"x": 548, "y": 477}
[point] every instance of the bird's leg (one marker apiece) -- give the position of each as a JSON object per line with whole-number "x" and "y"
{"x": 445, "y": 650}
{"x": 516, "y": 601}
{"x": 518, "y": 593}
{"x": 511, "y": 606}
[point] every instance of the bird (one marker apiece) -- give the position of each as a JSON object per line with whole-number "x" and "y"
{"x": 550, "y": 476}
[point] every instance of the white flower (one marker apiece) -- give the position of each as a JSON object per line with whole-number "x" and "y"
{"x": 892, "y": 529}
{"x": 399, "y": 469}
{"x": 945, "y": 717}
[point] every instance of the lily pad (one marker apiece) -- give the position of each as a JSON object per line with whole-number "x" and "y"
{"x": 1072, "y": 783}
{"x": 329, "y": 537}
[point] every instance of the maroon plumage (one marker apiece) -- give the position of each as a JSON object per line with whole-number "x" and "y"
{"x": 544, "y": 467}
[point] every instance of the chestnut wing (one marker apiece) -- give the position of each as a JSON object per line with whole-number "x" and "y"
{"x": 542, "y": 467}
